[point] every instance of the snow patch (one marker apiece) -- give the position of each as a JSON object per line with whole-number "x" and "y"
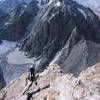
{"x": 84, "y": 14}
{"x": 56, "y": 58}
{"x": 24, "y": 5}
{"x": 58, "y": 4}
{"x": 6, "y": 46}
{"x": 18, "y": 57}
{"x": 7, "y": 23}
{"x": 50, "y": 2}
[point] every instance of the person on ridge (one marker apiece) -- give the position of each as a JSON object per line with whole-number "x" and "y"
{"x": 31, "y": 76}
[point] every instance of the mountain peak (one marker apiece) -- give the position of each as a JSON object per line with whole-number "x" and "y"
{"x": 62, "y": 26}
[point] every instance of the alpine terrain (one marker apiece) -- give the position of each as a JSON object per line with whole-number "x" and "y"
{"x": 49, "y": 50}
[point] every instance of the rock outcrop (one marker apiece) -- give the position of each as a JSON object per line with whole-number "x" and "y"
{"x": 56, "y": 86}
{"x": 65, "y": 33}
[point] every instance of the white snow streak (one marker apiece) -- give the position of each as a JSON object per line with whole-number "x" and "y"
{"x": 56, "y": 58}
{"x": 84, "y": 14}
{"x": 58, "y": 4}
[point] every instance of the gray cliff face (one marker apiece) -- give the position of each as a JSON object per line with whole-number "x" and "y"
{"x": 65, "y": 33}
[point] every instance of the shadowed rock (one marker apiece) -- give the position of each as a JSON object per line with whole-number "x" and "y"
{"x": 2, "y": 81}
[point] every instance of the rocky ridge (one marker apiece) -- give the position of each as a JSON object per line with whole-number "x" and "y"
{"x": 57, "y": 86}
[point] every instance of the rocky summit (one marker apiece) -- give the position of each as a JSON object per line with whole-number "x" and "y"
{"x": 59, "y": 39}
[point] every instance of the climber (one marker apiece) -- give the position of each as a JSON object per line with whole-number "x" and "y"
{"x": 31, "y": 75}
{"x": 29, "y": 96}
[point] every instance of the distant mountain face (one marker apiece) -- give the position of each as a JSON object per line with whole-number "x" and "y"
{"x": 16, "y": 23}
{"x": 65, "y": 33}
{"x": 7, "y": 5}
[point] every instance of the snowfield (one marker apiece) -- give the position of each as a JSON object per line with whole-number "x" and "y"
{"x": 18, "y": 57}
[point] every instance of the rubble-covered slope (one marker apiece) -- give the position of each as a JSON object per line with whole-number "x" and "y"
{"x": 56, "y": 86}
